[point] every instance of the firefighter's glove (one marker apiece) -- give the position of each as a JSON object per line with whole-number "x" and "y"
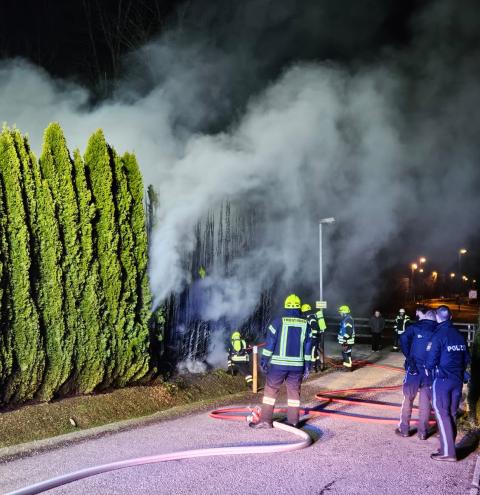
{"x": 306, "y": 370}
{"x": 264, "y": 364}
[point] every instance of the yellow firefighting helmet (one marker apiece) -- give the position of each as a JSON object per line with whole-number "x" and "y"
{"x": 306, "y": 307}
{"x": 235, "y": 335}
{"x": 292, "y": 302}
{"x": 344, "y": 309}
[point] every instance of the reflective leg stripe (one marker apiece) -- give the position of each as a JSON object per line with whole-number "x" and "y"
{"x": 403, "y": 402}
{"x": 439, "y": 420}
{"x": 249, "y": 378}
{"x": 268, "y": 400}
{"x": 293, "y": 403}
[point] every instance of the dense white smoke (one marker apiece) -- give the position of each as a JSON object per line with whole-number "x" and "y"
{"x": 385, "y": 147}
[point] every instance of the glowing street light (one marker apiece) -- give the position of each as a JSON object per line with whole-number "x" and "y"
{"x": 421, "y": 270}
{"x": 414, "y": 266}
{"x": 434, "y": 274}
{"x": 452, "y": 275}
{"x": 422, "y": 260}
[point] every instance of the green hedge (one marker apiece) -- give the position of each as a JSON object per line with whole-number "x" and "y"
{"x": 74, "y": 294}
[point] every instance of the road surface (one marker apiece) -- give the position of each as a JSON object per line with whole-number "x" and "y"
{"x": 347, "y": 458}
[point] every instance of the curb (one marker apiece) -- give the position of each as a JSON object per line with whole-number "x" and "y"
{"x": 37, "y": 446}
{"x": 476, "y": 478}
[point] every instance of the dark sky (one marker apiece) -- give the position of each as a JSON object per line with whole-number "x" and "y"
{"x": 85, "y": 39}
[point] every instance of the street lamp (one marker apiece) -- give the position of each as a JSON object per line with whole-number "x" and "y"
{"x": 460, "y": 252}
{"x": 422, "y": 260}
{"x": 320, "y": 249}
{"x": 413, "y": 266}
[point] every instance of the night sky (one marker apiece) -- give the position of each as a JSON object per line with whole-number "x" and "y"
{"x": 90, "y": 42}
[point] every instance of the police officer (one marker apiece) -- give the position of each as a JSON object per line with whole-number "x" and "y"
{"x": 447, "y": 360}
{"x": 413, "y": 343}
{"x": 311, "y": 318}
{"x": 400, "y": 324}
{"x": 238, "y": 358}
{"x": 286, "y": 357}
{"x": 346, "y": 336}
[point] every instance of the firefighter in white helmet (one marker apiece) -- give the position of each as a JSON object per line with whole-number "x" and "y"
{"x": 402, "y": 320}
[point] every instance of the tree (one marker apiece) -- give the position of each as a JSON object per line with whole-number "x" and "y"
{"x": 141, "y": 308}
{"x": 91, "y": 348}
{"x": 98, "y": 164}
{"x": 28, "y": 358}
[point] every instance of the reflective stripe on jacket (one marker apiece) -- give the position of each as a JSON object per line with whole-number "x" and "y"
{"x": 346, "y": 332}
{"x": 289, "y": 343}
{"x": 238, "y": 351}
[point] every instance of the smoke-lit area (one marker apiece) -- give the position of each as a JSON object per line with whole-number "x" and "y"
{"x": 268, "y": 109}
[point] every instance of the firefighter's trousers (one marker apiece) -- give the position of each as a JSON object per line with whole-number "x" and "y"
{"x": 243, "y": 368}
{"x": 293, "y": 381}
{"x": 413, "y": 384}
{"x": 347, "y": 355}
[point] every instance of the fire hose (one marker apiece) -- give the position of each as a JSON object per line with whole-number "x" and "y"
{"x": 240, "y": 414}
{"x": 304, "y": 441}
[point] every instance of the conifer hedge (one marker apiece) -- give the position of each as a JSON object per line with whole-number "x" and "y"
{"x": 74, "y": 293}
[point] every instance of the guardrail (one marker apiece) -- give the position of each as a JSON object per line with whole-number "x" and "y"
{"x": 470, "y": 329}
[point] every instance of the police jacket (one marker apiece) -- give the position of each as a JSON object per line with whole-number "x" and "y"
{"x": 289, "y": 343}
{"x": 346, "y": 333}
{"x": 447, "y": 353}
{"x": 237, "y": 351}
{"x": 414, "y": 341}
{"x": 401, "y": 323}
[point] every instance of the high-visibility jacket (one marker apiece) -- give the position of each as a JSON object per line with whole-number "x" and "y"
{"x": 322, "y": 326}
{"x": 401, "y": 323}
{"x": 237, "y": 351}
{"x": 289, "y": 341}
{"x": 313, "y": 323}
{"x": 346, "y": 332}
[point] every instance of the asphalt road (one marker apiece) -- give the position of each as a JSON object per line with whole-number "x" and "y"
{"x": 347, "y": 458}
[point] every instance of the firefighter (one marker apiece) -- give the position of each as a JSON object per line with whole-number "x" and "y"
{"x": 400, "y": 324}
{"x": 346, "y": 336}
{"x": 238, "y": 358}
{"x": 413, "y": 343}
{"x": 322, "y": 326}
{"x": 447, "y": 360}
{"x": 286, "y": 358}
{"x": 311, "y": 318}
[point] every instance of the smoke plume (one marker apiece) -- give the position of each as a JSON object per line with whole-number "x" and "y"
{"x": 298, "y": 111}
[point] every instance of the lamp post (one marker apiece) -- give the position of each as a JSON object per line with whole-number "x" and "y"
{"x": 413, "y": 266}
{"x": 460, "y": 252}
{"x": 320, "y": 249}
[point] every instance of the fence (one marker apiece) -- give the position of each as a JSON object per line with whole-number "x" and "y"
{"x": 469, "y": 329}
